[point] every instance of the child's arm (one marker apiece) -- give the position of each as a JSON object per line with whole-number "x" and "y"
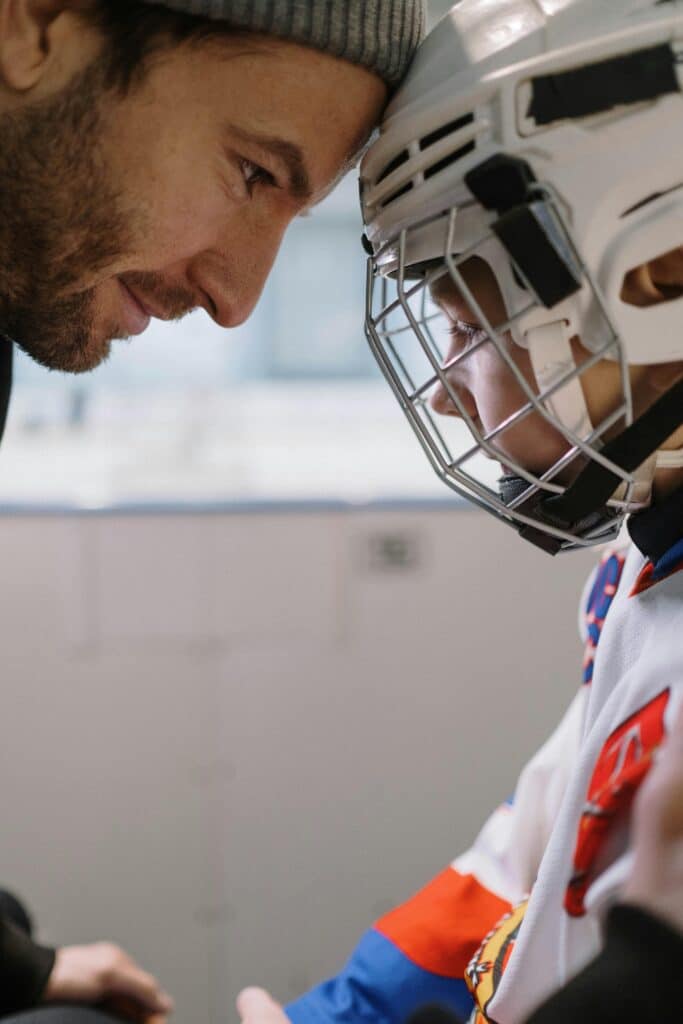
{"x": 419, "y": 953}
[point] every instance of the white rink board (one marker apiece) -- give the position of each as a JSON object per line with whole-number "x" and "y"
{"x": 231, "y": 741}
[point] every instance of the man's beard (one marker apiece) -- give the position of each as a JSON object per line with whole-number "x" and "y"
{"x": 61, "y": 222}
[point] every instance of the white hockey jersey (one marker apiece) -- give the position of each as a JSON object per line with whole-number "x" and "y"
{"x": 568, "y": 834}
{"x": 508, "y": 922}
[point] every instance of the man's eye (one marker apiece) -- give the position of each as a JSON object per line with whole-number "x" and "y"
{"x": 253, "y": 175}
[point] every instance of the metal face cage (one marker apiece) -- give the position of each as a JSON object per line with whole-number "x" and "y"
{"x": 406, "y": 332}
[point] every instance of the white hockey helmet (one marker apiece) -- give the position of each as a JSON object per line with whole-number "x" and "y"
{"x": 545, "y": 137}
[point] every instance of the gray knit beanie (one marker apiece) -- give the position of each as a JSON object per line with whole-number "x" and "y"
{"x": 381, "y": 35}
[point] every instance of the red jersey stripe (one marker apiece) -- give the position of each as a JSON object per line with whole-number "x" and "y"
{"x": 442, "y": 926}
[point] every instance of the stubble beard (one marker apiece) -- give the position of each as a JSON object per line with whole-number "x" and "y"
{"x": 62, "y": 221}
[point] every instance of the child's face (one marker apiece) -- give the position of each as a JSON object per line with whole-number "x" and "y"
{"x": 487, "y": 385}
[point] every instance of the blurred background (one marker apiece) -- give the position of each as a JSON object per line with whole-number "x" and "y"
{"x": 262, "y": 676}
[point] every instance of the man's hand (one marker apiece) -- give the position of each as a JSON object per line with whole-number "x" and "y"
{"x": 103, "y": 973}
{"x": 255, "y": 1006}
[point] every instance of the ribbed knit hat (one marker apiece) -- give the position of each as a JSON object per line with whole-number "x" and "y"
{"x": 381, "y": 35}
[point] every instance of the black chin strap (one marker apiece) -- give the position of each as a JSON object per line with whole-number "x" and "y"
{"x": 595, "y": 484}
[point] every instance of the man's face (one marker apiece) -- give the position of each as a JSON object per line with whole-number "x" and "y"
{"x": 174, "y": 197}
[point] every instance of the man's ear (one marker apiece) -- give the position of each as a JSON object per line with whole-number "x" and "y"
{"x": 26, "y": 40}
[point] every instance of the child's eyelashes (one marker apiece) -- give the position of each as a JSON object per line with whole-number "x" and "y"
{"x": 464, "y": 333}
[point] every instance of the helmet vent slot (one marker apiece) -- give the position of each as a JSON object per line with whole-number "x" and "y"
{"x": 448, "y": 160}
{"x": 445, "y": 130}
{"x": 438, "y": 135}
{"x": 393, "y": 165}
{"x": 396, "y": 195}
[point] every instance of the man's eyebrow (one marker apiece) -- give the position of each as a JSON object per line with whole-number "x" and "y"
{"x": 289, "y": 153}
{"x": 357, "y": 151}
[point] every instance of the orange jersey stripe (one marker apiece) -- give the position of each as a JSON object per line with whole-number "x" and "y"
{"x": 443, "y": 925}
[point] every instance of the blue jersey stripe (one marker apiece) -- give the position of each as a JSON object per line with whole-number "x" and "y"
{"x": 669, "y": 562}
{"x": 381, "y": 985}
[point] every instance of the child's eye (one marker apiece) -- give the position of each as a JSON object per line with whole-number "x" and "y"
{"x": 253, "y": 175}
{"x": 466, "y": 334}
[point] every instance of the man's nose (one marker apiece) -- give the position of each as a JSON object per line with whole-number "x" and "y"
{"x": 233, "y": 276}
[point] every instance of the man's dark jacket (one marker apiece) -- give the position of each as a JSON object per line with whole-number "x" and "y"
{"x": 24, "y": 966}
